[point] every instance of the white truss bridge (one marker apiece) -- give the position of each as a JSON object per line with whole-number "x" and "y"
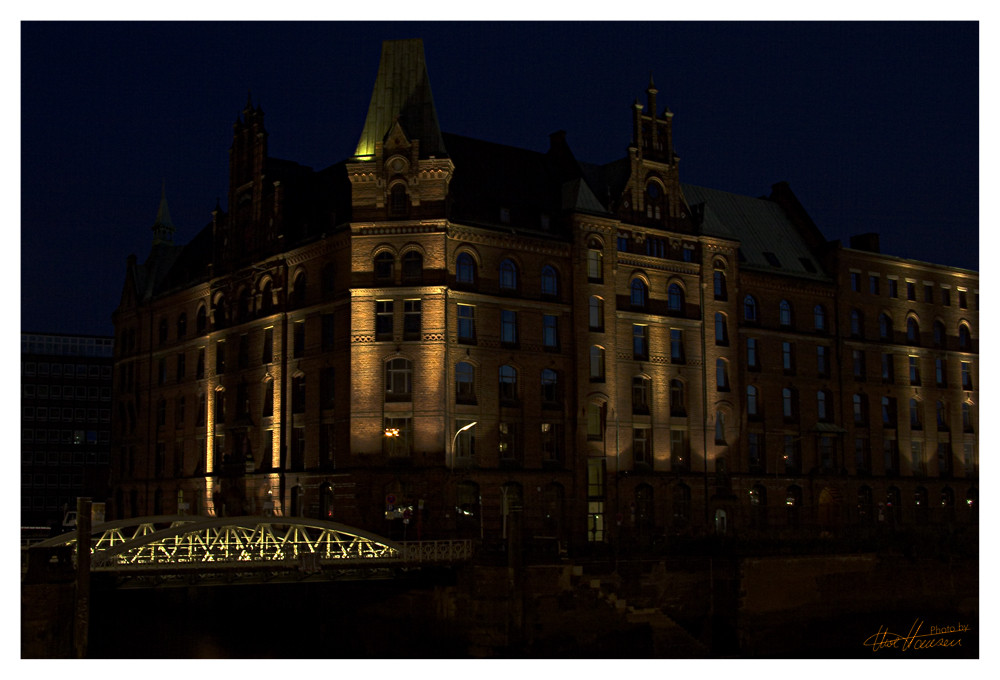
{"x": 193, "y": 548}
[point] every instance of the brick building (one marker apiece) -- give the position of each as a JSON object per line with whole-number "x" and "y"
{"x": 65, "y": 423}
{"x": 444, "y": 336}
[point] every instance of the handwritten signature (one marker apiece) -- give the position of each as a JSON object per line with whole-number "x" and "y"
{"x": 916, "y": 639}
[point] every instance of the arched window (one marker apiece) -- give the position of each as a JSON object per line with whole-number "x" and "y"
{"x": 465, "y": 383}
{"x": 753, "y": 402}
{"x": 508, "y": 384}
{"x": 721, "y": 329}
{"x": 596, "y": 364}
{"x": 819, "y": 318}
{"x": 508, "y": 275}
{"x": 857, "y": 324}
{"x": 722, "y": 375}
{"x": 719, "y": 283}
{"x": 654, "y": 201}
{"x": 677, "y": 405}
{"x": 675, "y": 298}
{"x": 182, "y": 323}
{"x": 750, "y": 309}
{"x": 465, "y": 269}
{"x": 266, "y": 298}
{"x": 550, "y": 281}
{"x": 385, "y": 262}
{"x": 398, "y": 379}
{"x": 964, "y": 338}
{"x": 596, "y": 313}
{"x": 397, "y": 199}
{"x": 413, "y": 266}
{"x": 639, "y": 293}
{"x": 785, "y": 313}
{"x": 299, "y": 289}
{"x": 884, "y": 327}
{"x": 912, "y": 331}
{"x": 200, "y": 320}
{"x": 595, "y": 261}
{"x": 640, "y": 394}
{"x": 720, "y": 428}
{"x": 824, "y": 406}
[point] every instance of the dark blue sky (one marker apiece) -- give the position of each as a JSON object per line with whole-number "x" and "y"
{"x": 874, "y": 125}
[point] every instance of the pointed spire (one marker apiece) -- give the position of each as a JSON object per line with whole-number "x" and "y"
{"x": 163, "y": 227}
{"x": 402, "y": 93}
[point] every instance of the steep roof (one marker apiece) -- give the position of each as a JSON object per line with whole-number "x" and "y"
{"x": 769, "y": 240}
{"x": 402, "y": 91}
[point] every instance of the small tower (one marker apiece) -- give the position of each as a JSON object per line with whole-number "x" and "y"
{"x": 163, "y": 227}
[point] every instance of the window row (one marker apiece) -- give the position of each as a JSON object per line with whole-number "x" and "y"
{"x": 910, "y": 287}
{"x": 752, "y": 314}
{"x": 65, "y": 370}
{"x": 508, "y": 275}
{"x": 510, "y": 328}
{"x": 31, "y": 391}
{"x": 939, "y": 337}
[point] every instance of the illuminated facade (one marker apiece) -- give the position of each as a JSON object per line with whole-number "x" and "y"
{"x": 441, "y": 336}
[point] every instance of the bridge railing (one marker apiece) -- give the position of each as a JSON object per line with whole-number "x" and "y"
{"x": 424, "y": 552}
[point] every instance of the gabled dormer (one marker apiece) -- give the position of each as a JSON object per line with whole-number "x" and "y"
{"x": 401, "y": 168}
{"x": 652, "y": 196}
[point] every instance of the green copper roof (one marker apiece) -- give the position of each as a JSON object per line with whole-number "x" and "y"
{"x": 402, "y": 90}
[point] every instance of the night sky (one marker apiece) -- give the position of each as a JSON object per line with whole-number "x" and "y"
{"x": 874, "y": 125}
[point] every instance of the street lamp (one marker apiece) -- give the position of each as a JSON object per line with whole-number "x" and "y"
{"x": 454, "y": 440}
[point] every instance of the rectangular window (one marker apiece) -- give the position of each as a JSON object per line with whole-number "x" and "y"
{"x": 679, "y": 454}
{"x": 508, "y": 444}
{"x": 917, "y": 465}
{"x": 640, "y": 341}
{"x": 326, "y": 388}
{"x": 298, "y": 339}
{"x": 911, "y": 290}
{"x": 944, "y": 459}
{"x": 966, "y": 375}
{"x": 969, "y": 455}
{"x": 963, "y": 299}
{"x": 940, "y": 372}
{"x": 914, "y": 371}
{"x": 508, "y": 327}
{"x": 890, "y": 456}
{"x": 466, "y": 323}
{"x": 856, "y": 282}
{"x": 826, "y": 453}
{"x": 822, "y": 361}
{"x": 622, "y": 243}
{"x": 793, "y": 463}
{"x": 411, "y": 319}
{"x": 676, "y": 346}
{"x": 550, "y": 331}
{"x": 945, "y": 297}
{"x": 893, "y": 288}
{"x": 551, "y": 442}
{"x": 465, "y": 441}
{"x": 787, "y": 358}
{"x": 640, "y": 446}
{"x": 755, "y": 451}
{"x": 397, "y": 437}
{"x": 888, "y": 372}
{"x": 383, "y": 319}
{"x": 753, "y": 359}
{"x": 873, "y": 284}
{"x": 220, "y": 357}
{"x": 181, "y": 366}
{"x": 267, "y": 353}
{"x": 862, "y": 456}
{"x": 243, "y": 354}
{"x": 928, "y": 293}
{"x": 161, "y": 371}
{"x": 858, "y": 363}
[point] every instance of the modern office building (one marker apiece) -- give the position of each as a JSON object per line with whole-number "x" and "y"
{"x": 442, "y": 336}
{"x": 65, "y": 424}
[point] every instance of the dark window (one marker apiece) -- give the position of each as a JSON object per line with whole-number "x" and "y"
{"x": 298, "y": 339}
{"x": 384, "y": 264}
{"x": 719, "y": 285}
{"x": 822, "y": 361}
{"x": 411, "y": 319}
{"x": 595, "y": 262}
{"x": 750, "y": 309}
{"x": 550, "y": 387}
{"x": 753, "y": 403}
{"x": 785, "y": 313}
{"x": 508, "y": 384}
{"x": 465, "y": 383}
{"x": 596, "y": 314}
{"x": 676, "y": 346}
{"x": 873, "y": 285}
{"x": 722, "y": 375}
{"x": 638, "y": 294}
{"x": 964, "y": 338}
{"x": 884, "y": 327}
{"x": 912, "y": 331}
{"x": 550, "y": 281}
{"x": 383, "y": 319}
{"x": 267, "y": 353}
{"x": 413, "y": 266}
{"x": 397, "y": 199}
{"x": 893, "y": 288}
{"x": 398, "y": 379}
{"x": 465, "y": 269}
{"x": 182, "y": 325}
{"x": 753, "y": 356}
{"x": 508, "y": 327}
{"x": 220, "y": 357}
{"x": 596, "y": 364}
{"x": 856, "y": 282}
{"x": 326, "y": 332}
{"x": 640, "y": 395}
{"x": 328, "y": 279}
{"x": 721, "y": 330}
{"x": 466, "y": 323}
{"x": 508, "y": 275}
{"x": 326, "y": 388}
{"x": 550, "y": 331}
{"x": 675, "y": 298}
{"x": 640, "y": 341}
{"x": 857, "y": 324}
{"x": 298, "y": 394}
{"x": 888, "y": 369}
